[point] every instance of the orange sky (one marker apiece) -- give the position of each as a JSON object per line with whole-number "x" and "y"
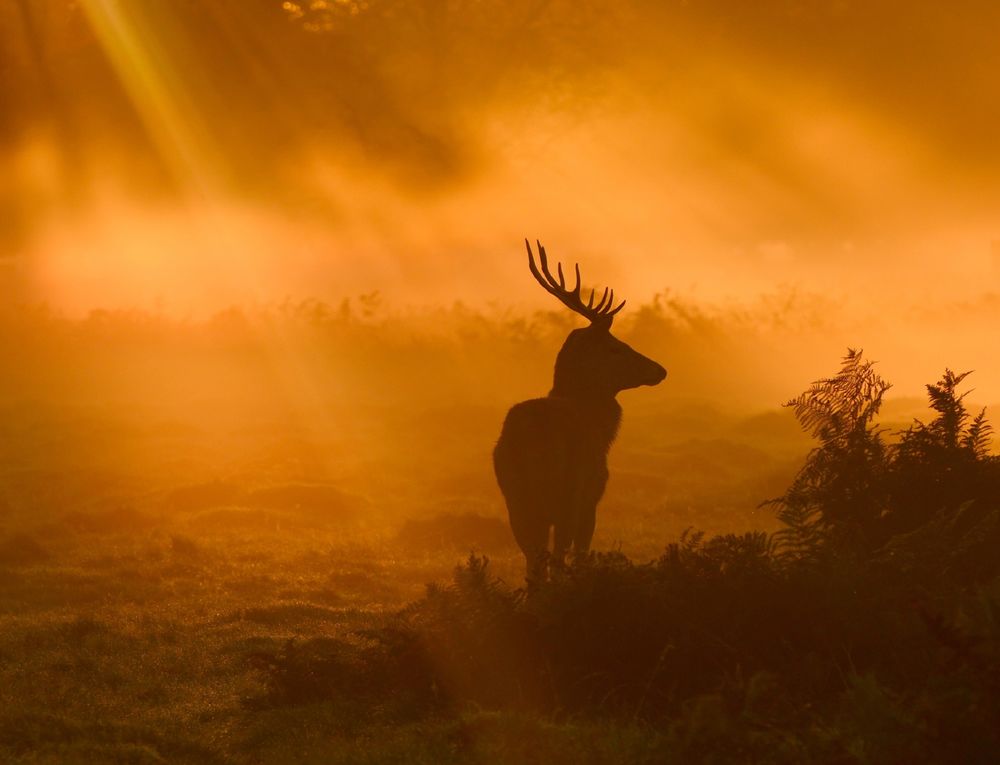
{"x": 186, "y": 157}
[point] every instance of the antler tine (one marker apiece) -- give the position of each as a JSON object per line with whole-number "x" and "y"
{"x": 543, "y": 280}
{"x": 607, "y": 310}
{"x": 543, "y": 260}
{"x": 545, "y": 268}
{"x": 601, "y": 303}
{"x": 575, "y": 292}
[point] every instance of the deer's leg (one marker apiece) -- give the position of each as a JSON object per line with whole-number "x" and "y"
{"x": 562, "y": 539}
{"x": 586, "y": 515}
{"x": 537, "y": 570}
{"x": 531, "y": 531}
{"x": 585, "y": 524}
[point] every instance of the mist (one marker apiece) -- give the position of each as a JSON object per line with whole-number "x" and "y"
{"x": 347, "y": 187}
{"x": 188, "y": 160}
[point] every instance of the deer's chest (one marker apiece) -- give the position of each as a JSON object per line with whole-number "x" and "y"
{"x": 592, "y": 430}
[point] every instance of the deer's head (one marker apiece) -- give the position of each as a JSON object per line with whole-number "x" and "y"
{"x": 592, "y": 362}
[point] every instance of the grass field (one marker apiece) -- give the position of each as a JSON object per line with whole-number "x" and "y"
{"x": 132, "y": 603}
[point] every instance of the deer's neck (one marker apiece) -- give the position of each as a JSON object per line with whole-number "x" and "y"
{"x": 597, "y": 417}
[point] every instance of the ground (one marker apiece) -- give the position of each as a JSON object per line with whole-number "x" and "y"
{"x": 134, "y": 599}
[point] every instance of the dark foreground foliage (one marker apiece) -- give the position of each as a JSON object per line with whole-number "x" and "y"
{"x": 867, "y": 630}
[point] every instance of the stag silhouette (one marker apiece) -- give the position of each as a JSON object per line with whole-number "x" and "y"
{"x": 551, "y": 457}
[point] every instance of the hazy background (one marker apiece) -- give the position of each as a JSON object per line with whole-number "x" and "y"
{"x": 184, "y": 157}
{"x": 258, "y": 240}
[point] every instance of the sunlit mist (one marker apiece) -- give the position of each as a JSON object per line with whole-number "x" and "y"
{"x": 764, "y": 180}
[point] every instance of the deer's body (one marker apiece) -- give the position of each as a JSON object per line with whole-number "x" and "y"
{"x": 551, "y": 458}
{"x": 552, "y": 466}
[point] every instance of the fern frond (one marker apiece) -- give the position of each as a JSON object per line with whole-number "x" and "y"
{"x": 835, "y": 406}
{"x": 978, "y": 436}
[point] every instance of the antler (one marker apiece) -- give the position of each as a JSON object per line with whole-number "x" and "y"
{"x": 571, "y": 298}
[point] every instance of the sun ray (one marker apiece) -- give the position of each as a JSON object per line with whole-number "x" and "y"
{"x": 151, "y": 70}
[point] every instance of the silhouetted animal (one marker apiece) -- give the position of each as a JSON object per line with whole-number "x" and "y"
{"x": 551, "y": 458}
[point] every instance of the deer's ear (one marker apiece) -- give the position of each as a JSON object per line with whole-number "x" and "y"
{"x": 602, "y": 322}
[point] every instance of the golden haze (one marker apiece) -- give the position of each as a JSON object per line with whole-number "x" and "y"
{"x": 834, "y": 161}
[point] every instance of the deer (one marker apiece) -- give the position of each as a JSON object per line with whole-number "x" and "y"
{"x": 551, "y": 458}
